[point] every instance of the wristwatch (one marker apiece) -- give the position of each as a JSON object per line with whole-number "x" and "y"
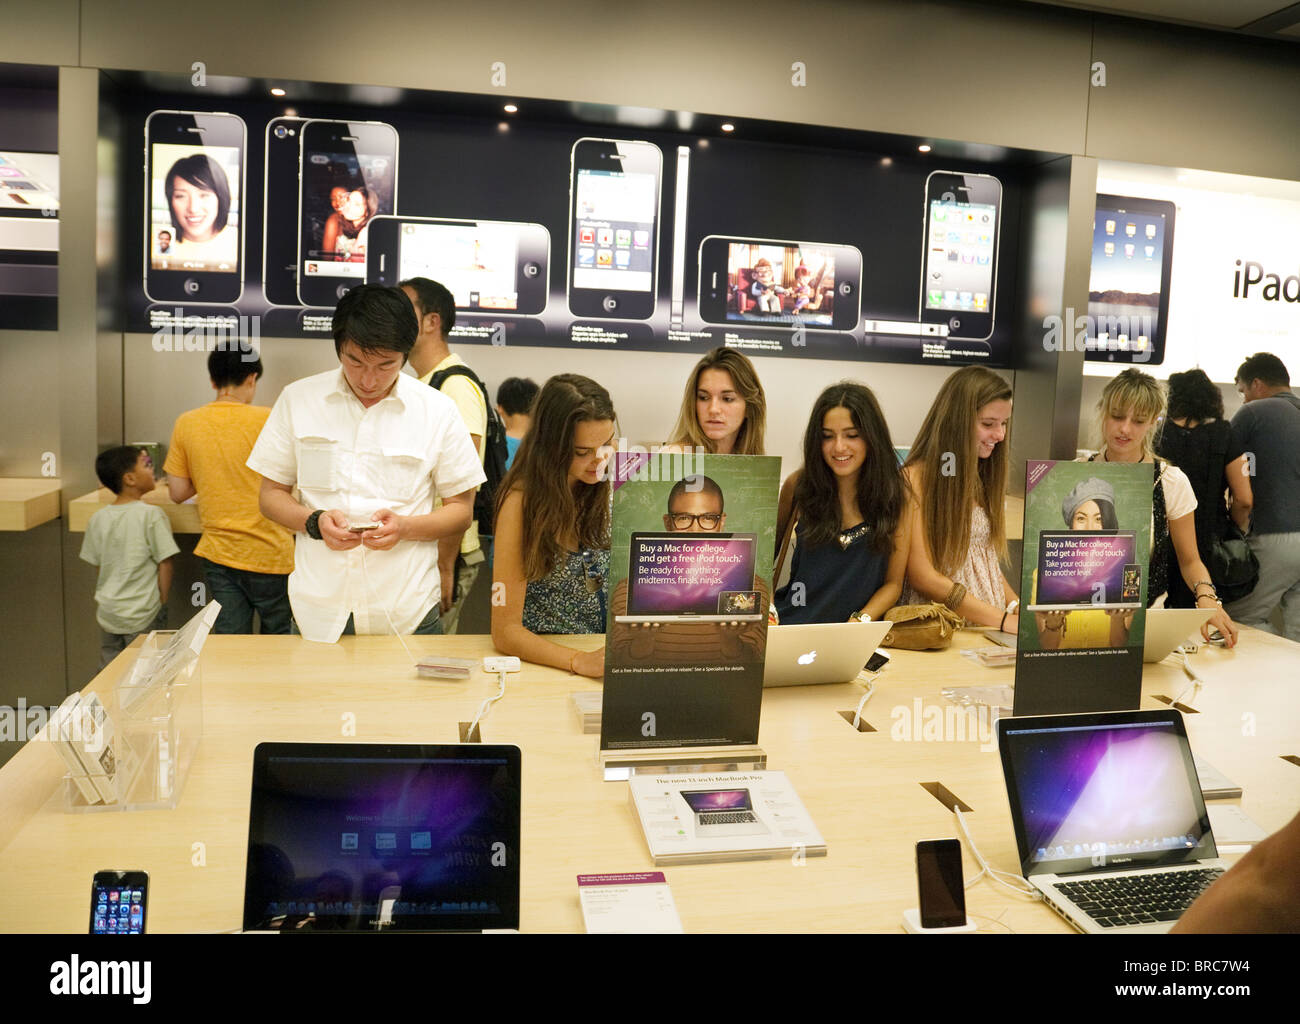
{"x": 862, "y": 617}
{"x": 313, "y": 525}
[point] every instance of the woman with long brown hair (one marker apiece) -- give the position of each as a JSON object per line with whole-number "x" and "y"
{"x": 551, "y": 556}
{"x": 724, "y": 410}
{"x": 846, "y": 510}
{"x": 957, "y": 471}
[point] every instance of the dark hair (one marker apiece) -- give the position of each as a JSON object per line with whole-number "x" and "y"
{"x": 114, "y": 463}
{"x": 202, "y": 171}
{"x": 164, "y": 231}
{"x": 696, "y": 484}
{"x": 230, "y": 363}
{"x": 517, "y": 394}
{"x": 1193, "y": 394}
{"x": 1109, "y": 520}
{"x": 551, "y": 508}
{"x": 880, "y": 491}
{"x": 375, "y": 317}
{"x": 1266, "y": 367}
{"x": 433, "y": 298}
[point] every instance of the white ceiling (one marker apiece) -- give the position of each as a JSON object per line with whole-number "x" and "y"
{"x": 1278, "y": 18}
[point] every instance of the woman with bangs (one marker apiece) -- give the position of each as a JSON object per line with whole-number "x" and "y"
{"x": 846, "y": 511}
{"x": 957, "y": 475}
{"x": 1130, "y": 407}
{"x": 724, "y": 409}
{"x": 551, "y": 558}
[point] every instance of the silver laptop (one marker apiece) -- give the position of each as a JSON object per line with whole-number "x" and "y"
{"x": 1167, "y": 628}
{"x": 1109, "y": 819}
{"x": 723, "y": 812}
{"x": 826, "y": 652}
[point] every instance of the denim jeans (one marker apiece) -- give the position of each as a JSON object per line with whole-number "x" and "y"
{"x": 242, "y": 592}
{"x": 113, "y": 644}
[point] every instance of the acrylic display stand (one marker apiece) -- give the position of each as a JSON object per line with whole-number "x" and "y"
{"x": 157, "y": 715}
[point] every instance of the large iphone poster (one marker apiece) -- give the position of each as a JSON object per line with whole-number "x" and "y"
{"x": 29, "y": 198}
{"x": 560, "y": 235}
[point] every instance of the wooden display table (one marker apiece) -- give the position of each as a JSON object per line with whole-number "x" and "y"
{"x": 862, "y": 789}
{"x": 184, "y": 518}
{"x": 27, "y": 503}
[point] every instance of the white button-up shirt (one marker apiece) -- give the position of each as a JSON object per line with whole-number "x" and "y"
{"x": 396, "y": 454}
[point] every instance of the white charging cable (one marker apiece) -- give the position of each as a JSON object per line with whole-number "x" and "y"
{"x": 1006, "y": 879}
{"x": 502, "y": 666}
{"x": 871, "y": 688}
{"x": 365, "y": 579}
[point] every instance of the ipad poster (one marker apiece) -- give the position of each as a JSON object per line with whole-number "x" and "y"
{"x": 1083, "y": 587}
{"x": 690, "y": 571}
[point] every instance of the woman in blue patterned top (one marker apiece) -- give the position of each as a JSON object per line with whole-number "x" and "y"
{"x": 551, "y": 558}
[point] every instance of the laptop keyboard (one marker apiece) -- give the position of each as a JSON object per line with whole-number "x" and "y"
{"x": 1140, "y": 899}
{"x": 730, "y": 818}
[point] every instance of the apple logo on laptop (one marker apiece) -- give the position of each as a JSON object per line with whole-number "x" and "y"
{"x": 808, "y": 659}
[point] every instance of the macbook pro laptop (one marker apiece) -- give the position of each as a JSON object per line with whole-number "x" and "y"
{"x": 358, "y": 837}
{"x": 827, "y": 652}
{"x": 723, "y": 812}
{"x": 692, "y": 577}
{"x": 1087, "y": 569}
{"x": 1110, "y": 823}
{"x": 1167, "y": 628}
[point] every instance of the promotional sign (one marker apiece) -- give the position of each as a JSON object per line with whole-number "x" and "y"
{"x": 1226, "y": 285}
{"x": 1087, "y": 541}
{"x": 690, "y": 572}
{"x": 253, "y": 219}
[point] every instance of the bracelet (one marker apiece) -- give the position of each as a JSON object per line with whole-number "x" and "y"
{"x": 572, "y": 659}
{"x": 1002, "y": 626}
{"x": 955, "y": 597}
{"x": 1013, "y": 606}
{"x": 312, "y": 526}
{"x": 1205, "y": 583}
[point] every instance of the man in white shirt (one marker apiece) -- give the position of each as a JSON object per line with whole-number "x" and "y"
{"x": 367, "y": 447}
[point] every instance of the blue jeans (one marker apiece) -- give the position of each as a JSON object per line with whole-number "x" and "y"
{"x": 113, "y": 644}
{"x": 430, "y": 625}
{"x": 242, "y": 592}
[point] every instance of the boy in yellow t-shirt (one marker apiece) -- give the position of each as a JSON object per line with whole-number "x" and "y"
{"x": 246, "y": 558}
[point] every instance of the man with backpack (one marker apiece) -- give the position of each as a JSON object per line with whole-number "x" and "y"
{"x": 435, "y": 364}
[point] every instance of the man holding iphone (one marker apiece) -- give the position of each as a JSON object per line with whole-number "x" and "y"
{"x": 368, "y": 448}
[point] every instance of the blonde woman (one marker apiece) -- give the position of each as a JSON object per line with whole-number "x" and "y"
{"x": 1131, "y": 405}
{"x": 724, "y": 410}
{"x": 957, "y": 474}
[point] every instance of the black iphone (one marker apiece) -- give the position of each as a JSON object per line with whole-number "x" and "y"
{"x": 940, "y": 883}
{"x": 194, "y": 207}
{"x": 766, "y": 283}
{"x": 280, "y": 211}
{"x": 614, "y": 228}
{"x": 349, "y": 177}
{"x": 960, "y": 255}
{"x": 489, "y": 266}
{"x": 117, "y": 902}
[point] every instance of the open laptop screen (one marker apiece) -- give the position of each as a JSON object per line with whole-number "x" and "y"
{"x": 346, "y": 836}
{"x": 1103, "y": 790}
{"x": 707, "y": 800}
{"x": 1072, "y": 565}
{"x": 686, "y": 573}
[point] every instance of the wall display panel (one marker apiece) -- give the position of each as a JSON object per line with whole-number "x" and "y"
{"x": 29, "y": 198}
{"x": 558, "y": 233}
{"x": 1231, "y": 283}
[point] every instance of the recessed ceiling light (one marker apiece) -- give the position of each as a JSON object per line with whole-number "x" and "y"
{"x": 511, "y": 108}
{"x": 277, "y": 91}
{"x": 727, "y": 126}
{"x": 886, "y": 161}
{"x": 503, "y": 126}
{"x": 923, "y": 147}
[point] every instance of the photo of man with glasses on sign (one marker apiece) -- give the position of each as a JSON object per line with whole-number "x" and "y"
{"x": 695, "y": 505}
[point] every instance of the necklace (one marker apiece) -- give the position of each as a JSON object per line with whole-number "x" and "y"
{"x": 848, "y": 536}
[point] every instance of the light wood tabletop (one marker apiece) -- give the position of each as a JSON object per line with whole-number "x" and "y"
{"x": 27, "y": 502}
{"x": 862, "y": 789}
{"x": 184, "y": 518}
